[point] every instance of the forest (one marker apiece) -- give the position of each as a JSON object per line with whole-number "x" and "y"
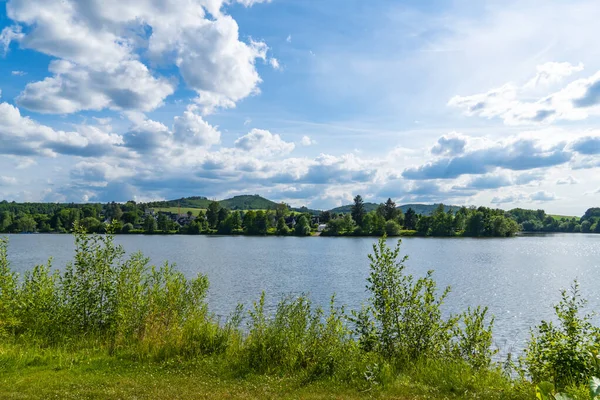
{"x": 254, "y": 215}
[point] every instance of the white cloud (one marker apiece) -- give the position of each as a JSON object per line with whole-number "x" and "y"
{"x": 576, "y": 101}
{"x": 8, "y": 35}
{"x": 7, "y": 180}
{"x": 552, "y": 72}
{"x": 249, "y": 3}
{"x": 569, "y": 180}
{"x": 259, "y": 141}
{"x": 274, "y": 63}
{"x": 22, "y": 136}
{"x": 124, "y": 86}
{"x": 98, "y": 44}
{"x": 542, "y": 196}
{"x": 18, "y": 73}
{"x": 307, "y": 141}
{"x": 289, "y": 39}
{"x": 191, "y": 129}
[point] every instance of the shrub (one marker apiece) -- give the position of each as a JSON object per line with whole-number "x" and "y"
{"x": 564, "y": 353}
{"x": 392, "y": 228}
{"x": 403, "y": 319}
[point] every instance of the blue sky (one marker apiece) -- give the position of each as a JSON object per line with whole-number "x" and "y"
{"x": 304, "y": 101}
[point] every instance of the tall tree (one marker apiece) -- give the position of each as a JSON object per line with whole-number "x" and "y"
{"x": 302, "y": 228}
{"x": 410, "y": 219}
{"x": 236, "y": 220}
{"x": 389, "y": 210}
{"x": 212, "y": 214}
{"x": 282, "y": 228}
{"x": 358, "y": 210}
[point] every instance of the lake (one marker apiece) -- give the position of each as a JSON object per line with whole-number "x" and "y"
{"x": 518, "y": 278}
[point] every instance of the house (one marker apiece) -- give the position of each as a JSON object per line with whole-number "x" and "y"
{"x": 321, "y": 227}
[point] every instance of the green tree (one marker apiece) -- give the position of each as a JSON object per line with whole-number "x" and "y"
{"x": 392, "y": 228}
{"x": 5, "y": 221}
{"x": 282, "y": 228}
{"x": 302, "y": 227}
{"x": 325, "y": 217}
{"x": 475, "y": 224}
{"x": 281, "y": 210}
{"x": 223, "y": 214}
{"x": 248, "y": 225}
{"x": 26, "y": 224}
{"x": 424, "y": 225}
{"x": 150, "y": 225}
{"x": 127, "y": 228}
{"x": 90, "y": 224}
{"x": 410, "y": 219}
{"x": 236, "y": 221}
{"x": 212, "y": 214}
{"x": 389, "y": 210}
{"x": 261, "y": 223}
{"x": 442, "y": 222}
{"x": 358, "y": 211}
{"x": 377, "y": 223}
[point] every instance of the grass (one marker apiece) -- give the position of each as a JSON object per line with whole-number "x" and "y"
{"x": 560, "y": 217}
{"x": 29, "y": 373}
{"x": 183, "y": 210}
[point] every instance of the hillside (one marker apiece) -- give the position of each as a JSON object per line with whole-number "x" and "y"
{"x": 424, "y": 209}
{"x": 348, "y": 208}
{"x": 245, "y": 202}
{"x": 248, "y": 202}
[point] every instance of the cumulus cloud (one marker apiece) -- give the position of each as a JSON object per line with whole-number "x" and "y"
{"x": 127, "y": 85}
{"x": 553, "y": 72}
{"x": 260, "y": 141}
{"x": 518, "y": 155}
{"x": 484, "y": 182}
{"x": 452, "y": 145}
{"x": 508, "y": 199}
{"x": 576, "y": 101}
{"x": 519, "y": 197}
{"x": 588, "y": 145}
{"x": 542, "y": 196}
{"x": 307, "y": 141}
{"x": 23, "y": 136}
{"x": 98, "y": 44}
{"x": 191, "y": 129}
{"x": 569, "y": 180}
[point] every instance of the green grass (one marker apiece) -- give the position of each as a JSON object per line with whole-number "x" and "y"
{"x": 36, "y": 373}
{"x": 176, "y": 210}
{"x": 560, "y": 217}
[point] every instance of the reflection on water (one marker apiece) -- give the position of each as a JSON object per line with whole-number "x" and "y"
{"x": 518, "y": 278}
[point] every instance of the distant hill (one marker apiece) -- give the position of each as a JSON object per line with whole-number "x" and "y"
{"x": 348, "y": 208}
{"x": 305, "y": 210}
{"x": 188, "y": 202}
{"x": 248, "y": 202}
{"x": 245, "y": 202}
{"x": 424, "y": 209}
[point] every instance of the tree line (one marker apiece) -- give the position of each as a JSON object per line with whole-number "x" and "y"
{"x": 387, "y": 218}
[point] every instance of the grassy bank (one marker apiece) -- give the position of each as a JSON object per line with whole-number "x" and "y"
{"x": 116, "y": 327}
{"x": 30, "y": 372}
